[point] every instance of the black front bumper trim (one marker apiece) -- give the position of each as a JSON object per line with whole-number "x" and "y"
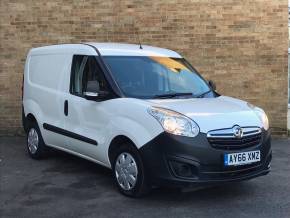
{"x": 206, "y": 163}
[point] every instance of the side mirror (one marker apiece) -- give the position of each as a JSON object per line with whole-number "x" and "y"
{"x": 212, "y": 85}
{"x": 95, "y": 96}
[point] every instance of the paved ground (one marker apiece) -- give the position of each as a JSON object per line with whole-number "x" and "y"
{"x": 66, "y": 186}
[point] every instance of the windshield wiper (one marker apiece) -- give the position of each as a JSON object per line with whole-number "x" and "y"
{"x": 203, "y": 94}
{"x": 172, "y": 95}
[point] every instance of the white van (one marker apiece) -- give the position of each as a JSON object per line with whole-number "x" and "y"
{"x": 142, "y": 111}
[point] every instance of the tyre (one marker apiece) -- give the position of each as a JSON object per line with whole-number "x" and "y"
{"x": 129, "y": 172}
{"x": 35, "y": 144}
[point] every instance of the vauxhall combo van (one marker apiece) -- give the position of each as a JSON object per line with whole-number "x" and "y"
{"x": 143, "y": 112}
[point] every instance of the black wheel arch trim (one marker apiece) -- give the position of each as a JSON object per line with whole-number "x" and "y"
{"x": 69, "y": 134}
{"x": 24, "y": 121}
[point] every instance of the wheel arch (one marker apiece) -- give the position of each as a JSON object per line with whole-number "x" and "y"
{"x": 28, "y": 119}
{"x": 31, "y": 111}
{"x": 116, "y": 142}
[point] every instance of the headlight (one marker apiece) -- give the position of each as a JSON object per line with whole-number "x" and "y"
{"x": 174, "y": 123}
{"x": 263, "y": 117}
{"x": 261, "y": 114}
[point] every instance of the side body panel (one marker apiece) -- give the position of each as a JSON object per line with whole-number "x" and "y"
{"x": 103, "y": 121}
{"x": 43, "y": 92}
{"x": 46, "y": 87}
{"x": 45, "y": 82}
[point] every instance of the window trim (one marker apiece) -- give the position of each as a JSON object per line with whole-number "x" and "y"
{"x": 112, "y": 84}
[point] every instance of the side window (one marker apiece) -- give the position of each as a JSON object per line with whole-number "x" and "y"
{"x": 86, "y": 76}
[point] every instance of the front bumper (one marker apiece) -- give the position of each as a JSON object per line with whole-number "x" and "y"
{"x": 165, "y": 156}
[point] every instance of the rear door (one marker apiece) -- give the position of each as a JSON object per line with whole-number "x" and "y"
{"x": 85, "y": 120}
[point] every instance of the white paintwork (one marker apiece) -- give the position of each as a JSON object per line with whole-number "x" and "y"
{"x": 46, "y": 87}
{"x": 108, "y": 49}
{"x": 105, "y": 120}
{"x": 213, "y": 113}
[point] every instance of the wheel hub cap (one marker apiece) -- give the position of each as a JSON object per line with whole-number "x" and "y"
{"x": 126, "y": 171}
{"x": 32, "y": 140}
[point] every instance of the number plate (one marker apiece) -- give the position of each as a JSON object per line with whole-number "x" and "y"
{"x": 242, "y": 158}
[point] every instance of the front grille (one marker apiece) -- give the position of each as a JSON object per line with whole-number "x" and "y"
{"x": 225, "y": 138}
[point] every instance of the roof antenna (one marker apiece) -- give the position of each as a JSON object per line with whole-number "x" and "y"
{"x": 140, "y": 45}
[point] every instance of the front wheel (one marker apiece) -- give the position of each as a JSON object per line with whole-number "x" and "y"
{"x": 129, "y": 172}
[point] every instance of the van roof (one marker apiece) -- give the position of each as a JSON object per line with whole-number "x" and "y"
{"x": 108, "y": 49}
{"x": 112, "y": 49}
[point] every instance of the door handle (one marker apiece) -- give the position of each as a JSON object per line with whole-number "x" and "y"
{"x": 65, "y": 108}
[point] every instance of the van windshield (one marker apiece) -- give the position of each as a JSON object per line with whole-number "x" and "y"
{"x": 156, "y": 77}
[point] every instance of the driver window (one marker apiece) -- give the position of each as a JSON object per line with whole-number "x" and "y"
{"x": 86, "y": 75}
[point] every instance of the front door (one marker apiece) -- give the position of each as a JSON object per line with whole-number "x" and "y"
{"x": 86, "y": 120}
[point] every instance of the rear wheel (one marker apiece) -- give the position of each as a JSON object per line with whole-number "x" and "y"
{"x": 35, "y": 144}
{"x": 129, "y": 172}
